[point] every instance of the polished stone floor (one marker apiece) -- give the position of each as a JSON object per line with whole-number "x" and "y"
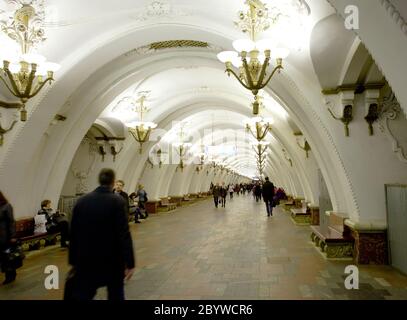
{"x": 199, "y": 252}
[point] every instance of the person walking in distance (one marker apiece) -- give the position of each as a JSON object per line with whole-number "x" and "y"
{"x": 101, "y": 248}
{"x": 223, "y": 195}
{"x": 257, "y": 192}
{"x": 231, "y": 190}
{"x": 216, "y": 194}
{"x": 142, "y": 197}
{"x": 268, "y": 195}
{"x": 118, "y": 189}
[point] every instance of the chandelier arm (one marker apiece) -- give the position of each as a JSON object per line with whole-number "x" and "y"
{"x": 238, "y": 78}
{"x": 248, "y": 75}
{"x": 40, "y": 88}
{"x": 266, "y": 130}
{"x": 271, "y": 76}
{"x": 139, "y": 137}
{"x": 263, "y": 71}
{"x": 263, "y": 135}
{"x": 13, "y": 89}
{"x": 10, "y": 105}
{"x": 253, "y": 134}
{"x": 30, "y": 82}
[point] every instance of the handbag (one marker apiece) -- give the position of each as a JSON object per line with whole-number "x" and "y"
{"x": 12, "y": 258}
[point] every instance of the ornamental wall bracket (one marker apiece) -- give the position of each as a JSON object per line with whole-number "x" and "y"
{"x": 7, "y": 105}
{"x": 372, "y": 108}
{"x": 287, "y": 157}
{"x": 346, "y": 119}
{"x": 102, "y": 151}
{"x": 112, "y": 143}
{"x": 114, "y": 151}
{"x": 306, "y": 148}
{"x": 3, "y": 131}
{"x": 372, "y": 116}
{"x": 390, "y": 111}
{"x": 347, "y": 103}
{"x": 150, "y": 163}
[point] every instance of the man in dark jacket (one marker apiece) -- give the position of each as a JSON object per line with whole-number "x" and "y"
{"x": 7, "y": 232}
{"x": 268, "y": 195}
{"x": 216, "y": 194}
{"x": 101, "y": 247}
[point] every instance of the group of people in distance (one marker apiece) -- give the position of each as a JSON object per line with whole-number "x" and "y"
{"x": 135, "y": 202}
{"x": 260, "y": 190}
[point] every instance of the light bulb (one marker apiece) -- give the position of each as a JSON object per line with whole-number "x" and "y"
{"x": 227, "y": 56}
{"x": 14, "y": 67}
{"x": 33, "y": 58}
{"x": 237, "y": 62}
{"x": 265, "y": 44}
{"x": 244, "y": 45}
{"x": 269, "y": 120}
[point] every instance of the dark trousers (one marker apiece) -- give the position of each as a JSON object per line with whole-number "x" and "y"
{"x": 269, "y": 206}
{"x": 61, "y": 226}
{"x": 84, "y": 289}
{"x": 141, "y": 205}
{"x": 9, "y": 271}
{"x": 216, "y": 200}
{"x": 231, "y": 195}
{"x": 223, "y": 201}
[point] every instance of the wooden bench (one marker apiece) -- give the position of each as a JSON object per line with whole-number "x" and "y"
{"x": 287, "y": 204}
{"x": 334, "y": 239}
{"x": 166, "y": 205}
{"x": 152, "y": 206}
{"x": 187, "y": 200}
{"x": 301, "y": 216}
{"x": 30, "y": 241}
{"x": 298, "y": 202}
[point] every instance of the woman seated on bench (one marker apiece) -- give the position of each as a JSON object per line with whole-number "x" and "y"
{"x": 56, "y": 222}
{"x": 136, "y": 209}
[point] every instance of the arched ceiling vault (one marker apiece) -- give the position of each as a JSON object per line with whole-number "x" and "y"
{"x": 93, "y": 76}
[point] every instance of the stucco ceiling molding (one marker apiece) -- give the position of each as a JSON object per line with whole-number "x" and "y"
{"x": 391, "y": 110}
{"x": 395, "y": 15}
{"x": 161, "y": 9}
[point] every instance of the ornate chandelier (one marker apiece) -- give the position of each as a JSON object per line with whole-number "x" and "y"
{"x": 23, "y": 72}
{"x": 260, "y": 149}
{"x": 182, "y": 148}
{"x": 253, "y": 56}
{"x": 141, "y": 130}
{"x": 258, "y": 127}
{"x": 201, "y": 158}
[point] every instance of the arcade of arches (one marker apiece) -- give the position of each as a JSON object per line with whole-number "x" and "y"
{"x": 337, "y": 144}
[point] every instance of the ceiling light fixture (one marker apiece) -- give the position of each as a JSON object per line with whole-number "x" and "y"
{"x": 253, "y": 56}
{"x": 141, "y": 130}
{"x": 25, "y": 73}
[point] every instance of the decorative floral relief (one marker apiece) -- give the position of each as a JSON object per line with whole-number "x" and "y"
{"x": 391, "y": 110}
{"x": 159, "y": 9}
{"x": 395, "y": 14}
